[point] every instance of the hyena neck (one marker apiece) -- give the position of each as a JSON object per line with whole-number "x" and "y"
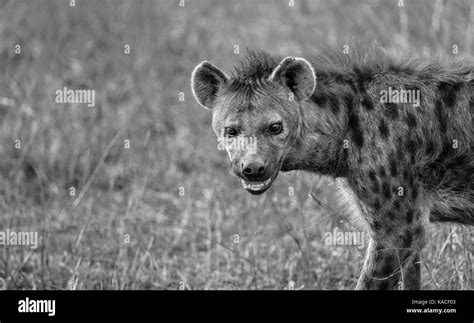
{"x": 319, "y": 143}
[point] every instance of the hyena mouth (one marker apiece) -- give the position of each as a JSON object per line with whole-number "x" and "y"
{"x": 257, "y": 188}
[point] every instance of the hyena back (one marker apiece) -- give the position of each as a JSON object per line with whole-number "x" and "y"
{"x": 399, "y": 161}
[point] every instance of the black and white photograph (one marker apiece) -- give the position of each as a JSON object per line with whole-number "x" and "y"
{"x": 204, "y": 148}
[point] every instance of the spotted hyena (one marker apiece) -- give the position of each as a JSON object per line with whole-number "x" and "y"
{"x": 395, "y": 133}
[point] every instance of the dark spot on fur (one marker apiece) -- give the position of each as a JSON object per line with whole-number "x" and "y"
{"x": 393, "y": 167}
{"x": 391, "y": 215}
{"x": 389, "y": 258}
{"x": 386, "y": 190}
{"x": 384, "y": 132}
{"x": 414, "y": 193}
{"x": 377, "y": 205}
{"x": 397, "y": 205}
{"x": 448, "y": 93}
{"x": 407, "y": 239}
{"x": 372, "y": 175}
{"x": 364, "y": 75}
{"x": 382, "y": 171}
{"x": 411, "y": 120}
{"x": 409, "y": 217}
{"x": 387, "y": 268}
{"x": 440, "y": 115}
{"x": 354, "y": 126}
{"x": 375, "y": 187}
{"x": 349, "y": 102}
{"x": 367, "y": 102}
{"x": 319, "y": 99}
{"x": 411, "y": 148}
{"x": 391, "y": 110}
{"x": 406, "y": 174}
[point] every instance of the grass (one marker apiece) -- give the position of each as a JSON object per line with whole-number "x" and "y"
{"x": 165, "y": 213}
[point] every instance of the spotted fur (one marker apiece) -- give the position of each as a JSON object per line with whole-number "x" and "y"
{"x": 397, "y": 166}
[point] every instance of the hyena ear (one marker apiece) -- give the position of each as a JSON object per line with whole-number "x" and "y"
{"x": 297, "y": 74}
{"x": 206, "y": 80}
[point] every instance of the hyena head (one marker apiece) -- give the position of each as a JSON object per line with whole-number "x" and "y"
{"x": 255, "y": 112}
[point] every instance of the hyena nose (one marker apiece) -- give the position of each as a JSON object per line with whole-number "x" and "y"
{"x": 253, "y": 169}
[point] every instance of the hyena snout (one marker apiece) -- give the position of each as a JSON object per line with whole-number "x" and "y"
{"x": 256, "y": 172}
{"x": 255, "y": 168}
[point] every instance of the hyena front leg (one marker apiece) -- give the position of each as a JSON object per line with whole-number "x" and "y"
{"x": 392, "y": 259}
{"x": 396, "y": 215}
{"x": 389, "y": 266}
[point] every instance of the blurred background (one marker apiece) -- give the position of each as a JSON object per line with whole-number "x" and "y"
{"x": 165, "y": 213}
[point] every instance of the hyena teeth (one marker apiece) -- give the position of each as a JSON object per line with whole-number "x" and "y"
{"x": 255, "y": 186}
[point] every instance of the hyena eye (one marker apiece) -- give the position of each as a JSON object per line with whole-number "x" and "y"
{"x": 275, "y": 128}
{"x": 230, "y": 132}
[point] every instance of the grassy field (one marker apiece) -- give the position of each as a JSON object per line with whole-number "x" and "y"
{"x": 165, "y": 213}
